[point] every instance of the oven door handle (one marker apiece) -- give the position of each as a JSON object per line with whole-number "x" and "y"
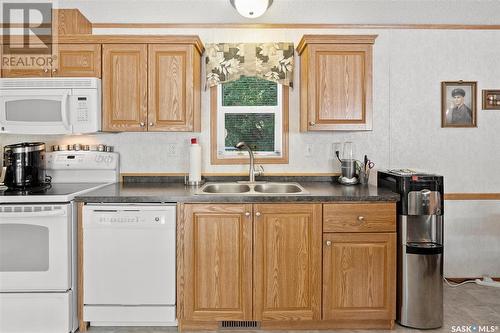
{"x": 58, "y": 212}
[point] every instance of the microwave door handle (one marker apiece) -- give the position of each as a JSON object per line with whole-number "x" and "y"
{"x": 64, "y": 113}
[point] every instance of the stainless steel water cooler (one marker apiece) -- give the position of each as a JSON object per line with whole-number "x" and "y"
{"x": 419, "y": 301}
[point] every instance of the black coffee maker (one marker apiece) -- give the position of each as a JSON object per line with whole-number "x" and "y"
{"x": 23, "y": 166}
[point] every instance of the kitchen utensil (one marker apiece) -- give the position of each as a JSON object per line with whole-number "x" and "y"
{"x": 24, "y": 165}
{"x": 348, "y": 151}
{"x": 349, "y": 166}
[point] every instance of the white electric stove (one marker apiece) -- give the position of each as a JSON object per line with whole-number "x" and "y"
{"x": 38, "y": 243}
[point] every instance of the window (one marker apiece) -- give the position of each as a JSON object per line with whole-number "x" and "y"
{"x": 251, "y": 110}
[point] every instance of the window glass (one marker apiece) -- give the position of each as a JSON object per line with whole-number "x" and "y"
{"x": 256, "y": 129}
{"x": 251, "y": 110}
{"x": 33, "y": 110}
{"x": 24, "y": 248}
{"x": 250, "y": 91}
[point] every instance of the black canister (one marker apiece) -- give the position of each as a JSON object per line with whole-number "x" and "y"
{"x": 24, "y": 163}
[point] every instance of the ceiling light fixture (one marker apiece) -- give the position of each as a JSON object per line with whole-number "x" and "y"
{"x": 251, "y": 8}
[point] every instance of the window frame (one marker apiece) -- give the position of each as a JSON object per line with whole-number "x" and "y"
{"x": 215, "y": 104}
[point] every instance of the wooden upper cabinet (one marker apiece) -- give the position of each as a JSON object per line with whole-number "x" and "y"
{"x": 77, "y": 60}
{"x": 287, "y": 262}
{"x": 124, "y": 87}
{"x": 359, "y": 276}
{"x": 152, "y": 87}
{"x": 174, "y": 88}
{"x": 21, "y": 66}
{"x": 336, "y": 82}
{"x": 74, "y": 60}
{"x": 216, "y": 266}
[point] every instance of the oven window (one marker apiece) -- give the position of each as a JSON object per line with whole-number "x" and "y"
{"x": 24, "y": 248}
{"x": 33, "y": 110}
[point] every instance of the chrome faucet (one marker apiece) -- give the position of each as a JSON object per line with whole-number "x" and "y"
{"x": 251, "y": 172}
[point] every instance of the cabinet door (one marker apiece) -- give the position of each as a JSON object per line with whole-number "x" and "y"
{"x": 25, "y": 65}
{"x": 216, "y": 276}
{"x": 124, "y": 87}
{"x": 287, "y": 262}
{"x": 339, "y": 87}
{"x": 77, "y": 60}
{"x": 359, "y": 276}
{"x": 174, "y": 87}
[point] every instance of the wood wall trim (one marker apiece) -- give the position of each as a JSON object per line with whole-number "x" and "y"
{"x": 472, "y": 196}
{"x": 282, "y": 26}
{"x": 81, "y": 323}
{"x": 293, "y": 26}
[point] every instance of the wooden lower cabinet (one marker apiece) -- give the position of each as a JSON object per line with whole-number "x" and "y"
{"x": 217, "y": 262}
{"x": 359, "y": 276}
{"x": 272, "y": 263}
{"x": 287, "y": 261}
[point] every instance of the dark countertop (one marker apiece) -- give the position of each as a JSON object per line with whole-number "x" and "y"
{"x": 178, "y": 192}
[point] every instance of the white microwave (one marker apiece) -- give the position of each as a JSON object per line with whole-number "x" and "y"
{"x": 63, "y": 105}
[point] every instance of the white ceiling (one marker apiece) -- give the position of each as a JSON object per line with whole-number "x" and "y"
{"x": 292, "y": 11}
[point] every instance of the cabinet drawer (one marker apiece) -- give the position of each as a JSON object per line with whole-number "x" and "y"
{"x": 359, "y": 217}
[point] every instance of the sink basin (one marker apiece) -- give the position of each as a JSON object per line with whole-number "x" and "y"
{"x": 278, "y": 188}
{"x": 263, "y": 188}
{"x": 226, "y": 188}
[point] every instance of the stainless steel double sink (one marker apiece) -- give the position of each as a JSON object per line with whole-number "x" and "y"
{"x": 257, "y": 188}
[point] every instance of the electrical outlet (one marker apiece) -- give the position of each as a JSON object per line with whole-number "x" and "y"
{"x": 336, "y": 148}
{"x": 309, "y": 150}
{"x": 172, "y": 150}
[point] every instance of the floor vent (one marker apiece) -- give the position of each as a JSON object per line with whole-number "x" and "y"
{"x": 239, "y": 324}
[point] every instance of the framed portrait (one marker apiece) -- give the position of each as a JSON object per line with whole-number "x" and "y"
{"x": 458, "y": 104}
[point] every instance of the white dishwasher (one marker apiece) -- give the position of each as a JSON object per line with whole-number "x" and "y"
{"x": 129, "y": 264}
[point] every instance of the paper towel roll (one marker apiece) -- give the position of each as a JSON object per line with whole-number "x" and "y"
{"x": 194, "y": 161}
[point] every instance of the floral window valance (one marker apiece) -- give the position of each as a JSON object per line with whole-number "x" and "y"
{"x": 270, "y": 61}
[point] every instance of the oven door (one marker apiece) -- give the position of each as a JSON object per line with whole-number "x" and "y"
{"x": 35, "y": 247}
{"x": 35, "y": 111}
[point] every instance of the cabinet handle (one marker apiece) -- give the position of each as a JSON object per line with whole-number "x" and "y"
{"x": 361, "y": 219}
{"x": 142, "y": 124}
{"x": 45, "y": 70}
{"x": 247, "y": 214}
{"x": 151, "y": 124}
{"x": 312, "y": 123}
{"x": 328, "y": 243}
{"x": 257, "y": 214}
{"x": 54, "y": 70}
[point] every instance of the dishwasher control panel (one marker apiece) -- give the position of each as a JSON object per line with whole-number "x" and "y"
{"x": 129, "y": 216}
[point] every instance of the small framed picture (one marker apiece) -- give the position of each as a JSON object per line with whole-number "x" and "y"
{"x": 491, "y": 99}
{"x": 458, "y": 104}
